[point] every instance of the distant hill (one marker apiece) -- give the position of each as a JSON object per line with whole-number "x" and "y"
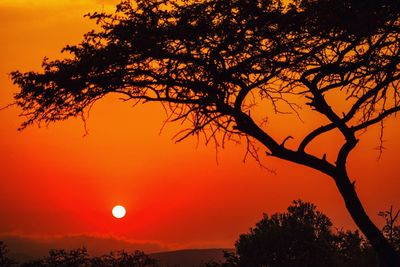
{"x": 189, "y": 257}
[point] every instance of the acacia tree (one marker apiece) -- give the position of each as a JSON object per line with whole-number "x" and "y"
{"x": 211, "y": 62}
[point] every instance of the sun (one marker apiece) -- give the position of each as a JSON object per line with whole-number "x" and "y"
{"x": 118, "y": 211}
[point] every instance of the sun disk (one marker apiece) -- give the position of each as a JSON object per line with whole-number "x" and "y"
{"x": 118, "y": 211}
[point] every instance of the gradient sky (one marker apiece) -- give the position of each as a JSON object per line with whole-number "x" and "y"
{"x": 55, "y": 182}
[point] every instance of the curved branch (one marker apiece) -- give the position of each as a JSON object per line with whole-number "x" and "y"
{"x": 246, "y": 124}
{"x": 377, "y": 119}
{"x": 311, "y": 136}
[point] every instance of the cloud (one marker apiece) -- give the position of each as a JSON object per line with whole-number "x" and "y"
{"x": 23, "y": 248}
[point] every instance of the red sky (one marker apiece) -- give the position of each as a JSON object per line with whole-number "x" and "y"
{"x": 55, "y": 182}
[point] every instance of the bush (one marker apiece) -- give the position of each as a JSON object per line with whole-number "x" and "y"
{"x": 301, "y": 236}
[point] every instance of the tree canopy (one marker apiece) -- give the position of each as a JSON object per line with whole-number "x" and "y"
{"x": 211, "y": 62}
{"x": 301, "y": 236}
{"x": 206, "y": 58}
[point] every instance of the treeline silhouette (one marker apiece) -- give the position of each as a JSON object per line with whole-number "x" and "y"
{"x": 301, "y": 236}
{"x": 80, "y": 258}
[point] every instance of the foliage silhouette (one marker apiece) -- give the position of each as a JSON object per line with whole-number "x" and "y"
{"x": 212, "y": 62}
{"x": 302, "y": 236}
{"x": 5, "y": 261}
{"x": 62, "y": 258}
{"x": 80, "y": 258}
{"x": 352, "y": 250}
{"x": 391, "y": 230}
{"x": 124, "y": 259}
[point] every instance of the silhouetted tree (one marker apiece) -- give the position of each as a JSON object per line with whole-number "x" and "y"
{"x": 391, "y": 229}
{"x": 34, "y": 263}
{"x": 302, "y": 236}
{"x": 62, "y": 258}
{"x": 124, "y": 259}
{"x": 80, "y": 258}
{"x": 231, "y": 260}
{"x": 5, "y": 261}
{"x": 351, "y": 250}
{"x": 211, "y": 63}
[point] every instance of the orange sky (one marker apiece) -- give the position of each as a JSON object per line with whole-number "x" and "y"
{"x": 54, "y": 182}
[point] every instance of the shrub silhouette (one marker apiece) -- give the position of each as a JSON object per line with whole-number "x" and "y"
{"x": 5, "y": 261}
{"x": 124, "y": 259}
{"x": 391, "y": 229}
{"x": 80, "y": 258}
{"x": 302, "y": 236}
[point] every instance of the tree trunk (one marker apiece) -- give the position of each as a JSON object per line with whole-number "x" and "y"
{"x": 387, "y": 256}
